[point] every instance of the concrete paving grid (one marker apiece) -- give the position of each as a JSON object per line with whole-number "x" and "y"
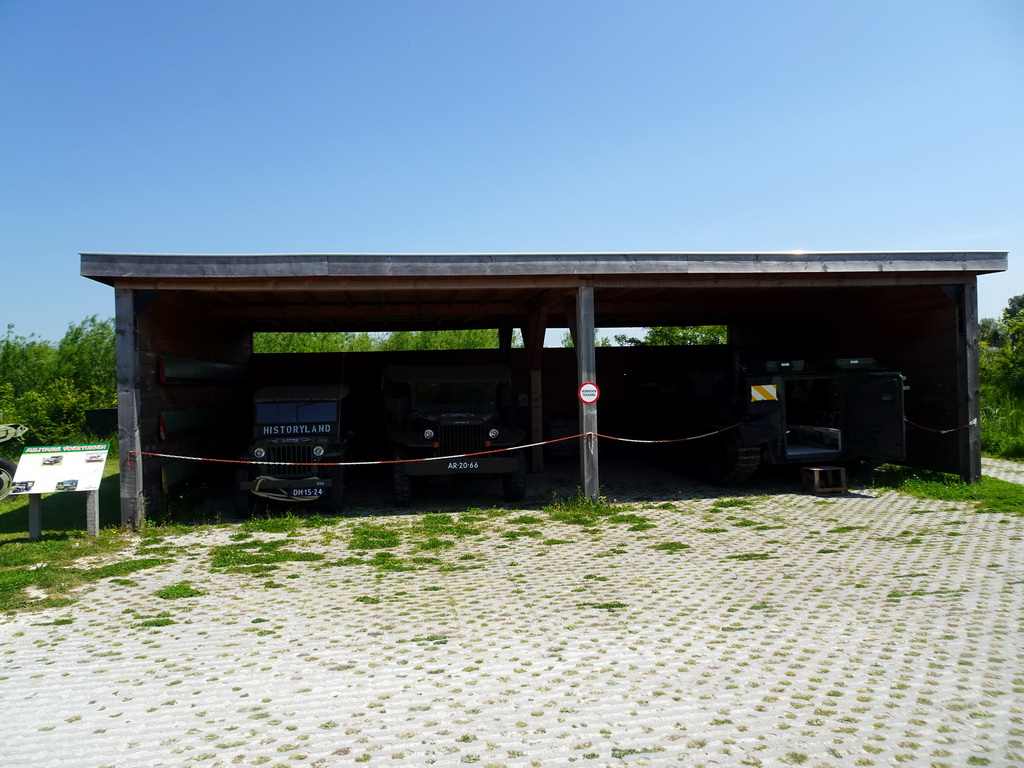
{"x": 863, "y": 629}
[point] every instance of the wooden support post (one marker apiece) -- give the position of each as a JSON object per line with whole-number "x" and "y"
{"x": 35, "y": 517}
{"x": 586, "y": 361}
{"x": 126, "y": 343}
{"x": 92, "y": 513}
{"x": 533, "y": 338}
{"x": 969, "y": 387}
{"x": 505, "y": 334}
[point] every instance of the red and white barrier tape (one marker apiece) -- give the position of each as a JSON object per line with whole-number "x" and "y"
{"x": 423, "y": 458}
{"x": 970, "y": 423}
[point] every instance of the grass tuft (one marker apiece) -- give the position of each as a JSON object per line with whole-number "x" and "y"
{"x": 179, "y": 590}
{"x": 580, "y": 510}
{"x": 990, "y": 494}
{"x": 373, "y": 536}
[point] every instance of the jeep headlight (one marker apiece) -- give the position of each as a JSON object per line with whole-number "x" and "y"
{"x": 493, "y": 434}
{"x": 259, "y": 453}
{"x": 428, "y": 434}
{"x": 318, "y": 451}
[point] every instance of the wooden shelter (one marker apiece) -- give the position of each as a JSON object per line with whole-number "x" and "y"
{"x": 185, "y": 325}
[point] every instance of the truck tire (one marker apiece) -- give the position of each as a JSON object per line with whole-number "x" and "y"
{"x": 730, "y": 463}
{"x": 336, "y": 495}
{"x": 7, "y": 470}
{"x": 514, "y": 483}
{"x": 401, "y": 482}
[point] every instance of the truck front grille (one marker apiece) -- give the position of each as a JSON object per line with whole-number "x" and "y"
{"x": 456, "y": 439}
{"x": 301, "y": 454}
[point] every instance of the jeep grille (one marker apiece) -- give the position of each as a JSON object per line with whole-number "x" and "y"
{"x": 302, "y": 454}
{"x": 456, "y": 439}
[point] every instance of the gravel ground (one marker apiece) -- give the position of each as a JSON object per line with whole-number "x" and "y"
{"x": 766, "y": 629}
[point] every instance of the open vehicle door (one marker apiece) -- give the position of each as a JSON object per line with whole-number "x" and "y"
{"x": 877, "y": 429}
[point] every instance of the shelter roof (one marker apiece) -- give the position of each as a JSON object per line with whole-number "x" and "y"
{"x": 416, "y": 291}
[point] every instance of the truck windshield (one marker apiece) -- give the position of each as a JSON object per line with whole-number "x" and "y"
{"x": 454, "y": 394}
{"x": 296, "y": 413}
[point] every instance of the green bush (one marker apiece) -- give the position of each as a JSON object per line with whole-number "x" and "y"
{"x": 1002, "y": 424}
{"x": 1001, "y": 364}
{"x": 50, "y": 386}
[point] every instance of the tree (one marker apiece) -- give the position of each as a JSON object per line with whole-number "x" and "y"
{"x": 318, "y": 341}
{"x": 311, "y": 341}
{"x": 86, "y": 357}
{"x": 1002, "y": 362}
{"x": 472, "y": 338}
{"x": 669, "y": 336}
{"x": 50, "y": 386}
{"x": 990, "y": 332}
{"x": 26, "y": 362}
{"x": 1014, "y": 308}
{"x": 600, "y": 341}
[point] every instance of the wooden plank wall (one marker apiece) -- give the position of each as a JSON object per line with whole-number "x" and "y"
{"x": 174, "y": 325}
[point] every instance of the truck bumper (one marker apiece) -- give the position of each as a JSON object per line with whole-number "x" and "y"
{"x": 275, "y": 484}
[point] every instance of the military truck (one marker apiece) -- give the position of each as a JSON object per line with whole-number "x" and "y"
{"x": 297, "y": 438}
{"x": 837, "y": 411}
{"x": 451, "y": 418}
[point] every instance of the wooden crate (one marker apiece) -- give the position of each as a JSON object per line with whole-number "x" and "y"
{"x": 824, "y": 479}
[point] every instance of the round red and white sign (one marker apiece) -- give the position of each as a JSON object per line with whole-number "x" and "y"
{"x": 589, "y": 393}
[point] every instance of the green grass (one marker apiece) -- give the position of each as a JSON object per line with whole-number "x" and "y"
{"x": 286, "y": 523}
{"x": 1002, "y": 424}
{"x": 671, "y": 546}
{"x": 439, "y": 524}
{"x": 373, "y": 536}
{"x": 47, "y": 569}
{"x": 581, "y": 510}
{"x": 256, "y": 556}
{"x": 611, "y": 605}
{"x": 179, "y": 590}
{"x": 990, "y": 494}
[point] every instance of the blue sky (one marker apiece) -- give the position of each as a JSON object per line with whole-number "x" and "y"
{"x": 551, "y": 125}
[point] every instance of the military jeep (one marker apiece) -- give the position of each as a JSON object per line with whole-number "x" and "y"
{"x": 296, "y": 429}
{"x": 447, "y": 421}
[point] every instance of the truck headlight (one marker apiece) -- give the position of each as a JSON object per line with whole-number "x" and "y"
{"x": 428, "y": 434}
{"x": 318, "y": 451}
{"x": 493, "y": 434}
{"x": 259, "y": 453}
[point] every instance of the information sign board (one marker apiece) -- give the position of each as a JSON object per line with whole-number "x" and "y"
{"x": 50, "y": 468}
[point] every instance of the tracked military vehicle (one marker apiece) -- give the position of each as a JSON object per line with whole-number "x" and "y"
{"x": 298, "y": 438}
{"x": 8, "y": 468}
{"x": 840, "y": 411}
{"x": 448, "y": 416}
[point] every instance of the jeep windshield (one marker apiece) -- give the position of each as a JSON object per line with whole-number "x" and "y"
{"x": 296, "y": 413}
{"x": 457, "y": 395}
